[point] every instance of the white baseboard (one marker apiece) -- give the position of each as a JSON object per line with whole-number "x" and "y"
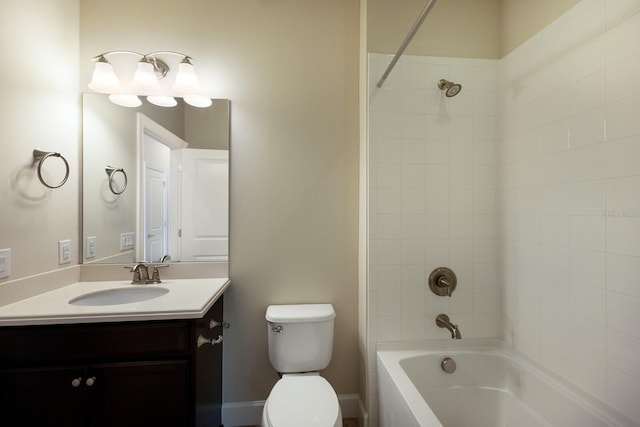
{"x": 250, "y": 412}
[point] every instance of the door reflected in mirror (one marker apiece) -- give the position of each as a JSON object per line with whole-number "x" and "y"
{"x": 175, "y": 162}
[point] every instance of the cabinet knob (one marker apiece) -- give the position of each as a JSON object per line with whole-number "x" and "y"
{"x": 76, "y": 382}
{"x": 202, "y": 340}
{"x": 90, "y": 381}
{"x": 215, "y": 323}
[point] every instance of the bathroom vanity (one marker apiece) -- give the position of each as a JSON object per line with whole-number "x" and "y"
{"x": 126, "y": 364}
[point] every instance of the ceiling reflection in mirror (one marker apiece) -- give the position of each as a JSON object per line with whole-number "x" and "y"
{"x": 155, "y": 182}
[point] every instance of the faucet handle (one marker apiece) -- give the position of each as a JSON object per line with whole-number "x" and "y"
{"x": 442, "y": 281}
{"x": 155, "y": 278}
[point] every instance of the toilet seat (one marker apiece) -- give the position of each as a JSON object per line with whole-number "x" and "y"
{"x": 302, "y": 400}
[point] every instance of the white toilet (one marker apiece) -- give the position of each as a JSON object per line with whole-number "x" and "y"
{"x": 300, "y": 345}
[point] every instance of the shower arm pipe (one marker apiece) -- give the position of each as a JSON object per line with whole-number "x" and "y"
{"x": 407, "y": 40}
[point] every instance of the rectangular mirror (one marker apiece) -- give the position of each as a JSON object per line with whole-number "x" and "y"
{"x": 155, "y": 182}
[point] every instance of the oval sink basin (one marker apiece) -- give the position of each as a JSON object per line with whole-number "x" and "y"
{"x": 119, "y": 296}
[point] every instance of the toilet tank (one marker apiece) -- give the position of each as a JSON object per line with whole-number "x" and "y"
{"x": 300, "y": 336}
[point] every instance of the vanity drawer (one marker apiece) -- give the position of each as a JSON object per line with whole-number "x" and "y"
{"x": 28, "y": 344}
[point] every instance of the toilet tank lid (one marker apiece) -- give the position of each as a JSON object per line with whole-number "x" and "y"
{"x": 300, "y": 313}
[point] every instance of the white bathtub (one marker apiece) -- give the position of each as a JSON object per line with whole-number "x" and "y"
{"x": 491, "y": 387}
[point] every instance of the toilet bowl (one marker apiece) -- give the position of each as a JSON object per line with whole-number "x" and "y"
{"x": 300, "y": 345}
{"x": 302, "y": 400}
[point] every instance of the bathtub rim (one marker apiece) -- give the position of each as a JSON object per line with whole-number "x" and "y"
{"x": 389, "y": 356}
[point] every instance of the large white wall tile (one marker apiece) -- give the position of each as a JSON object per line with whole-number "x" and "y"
{"x": 587, "y": 128}
{"x": 622, "y": 119}
{"x": 622, "y": 157}
{"x": 623, "y": 313}
{"x": 589, "y": 233}
{"x": 622, "y": 78}
{"x": 622, "y": 352}
{"x": 623, "y": 274}
{"x": 588, "y": 268}
{"x": 589, "y": 302}
{"x": 588, "y": 197}
{"x": 588, "y": 163}
{"x": 588, "y": 337}
{"x": 433, "y": 176}
{"x": 619, "y": 232}
{"x": 569, "y": 198}
{"x": 623, "y": 197}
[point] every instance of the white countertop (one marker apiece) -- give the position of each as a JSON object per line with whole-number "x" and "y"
{"x": 186, "y": 299}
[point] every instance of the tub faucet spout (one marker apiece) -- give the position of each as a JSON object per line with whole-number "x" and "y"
{"x": 443, "y": 322}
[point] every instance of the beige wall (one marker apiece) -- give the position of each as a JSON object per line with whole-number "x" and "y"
{"x": 290, "y": 69}
{"x": 521, "y": 19}
{"x": 40, "y": 109}
{"x": 460, "y": 28}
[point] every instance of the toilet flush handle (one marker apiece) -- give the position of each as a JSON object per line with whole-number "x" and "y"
{"x": 277, "y": 328}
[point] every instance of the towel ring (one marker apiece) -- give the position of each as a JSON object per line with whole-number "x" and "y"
{"x": 40, "y": 156}
{"x": 111, "y": 171}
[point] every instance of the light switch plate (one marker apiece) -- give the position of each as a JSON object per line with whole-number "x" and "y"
{"x": 91, "y": 247}
{"x": 5, "y": 263}
{"x": 64, "y": 251}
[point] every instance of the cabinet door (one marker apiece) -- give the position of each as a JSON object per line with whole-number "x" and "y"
{"x": 140, "y": 394}
{"x": 39, "y": 397}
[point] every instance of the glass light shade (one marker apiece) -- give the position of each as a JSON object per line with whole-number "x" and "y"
{"x": 186, "y": 79}
{"x": 198, "y": 101}
{"x": 162, "y": 101}
{"x": 145, "y": 78}
{"x": 130, "y": 101}
{"x": 104, "y": 79}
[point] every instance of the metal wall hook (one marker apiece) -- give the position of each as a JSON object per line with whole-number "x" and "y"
{"x": 39, "y": 157}
{"x": 111, "y": 172}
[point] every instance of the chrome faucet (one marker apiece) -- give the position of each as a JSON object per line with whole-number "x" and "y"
{"x": 140, "y": 274}
{"x": 443, "y": 322}
{"x": 165, "y": 258}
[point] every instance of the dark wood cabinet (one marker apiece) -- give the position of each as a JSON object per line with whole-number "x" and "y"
{"x": 138, "y": 374}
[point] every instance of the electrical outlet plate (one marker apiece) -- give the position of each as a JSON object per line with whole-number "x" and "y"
{"x": 64, "y": 251}
{"x": 5, "y": 263}
{"x": 127, "y": 241}
{"x": 91, "y": 247}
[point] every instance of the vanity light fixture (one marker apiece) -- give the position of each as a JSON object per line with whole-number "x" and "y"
{"x": 151, "y": 70}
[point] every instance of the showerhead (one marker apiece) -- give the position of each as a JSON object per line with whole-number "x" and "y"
{"x": 451, "y": 89}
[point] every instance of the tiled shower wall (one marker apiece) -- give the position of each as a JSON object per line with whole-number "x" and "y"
{"x": 432, "y": 200}
{"x": 535, "y": 204}
{"x": 569, "y": 199}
